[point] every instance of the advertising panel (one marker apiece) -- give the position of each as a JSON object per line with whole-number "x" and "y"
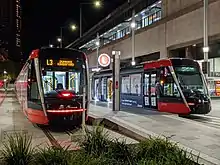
{"x": 109, "y": 89}
{"x": 131, "y": 101}
{"x": 96, "y": 89}
{"x": 126, "y": 85}
{"x": 104, "y": 89}
{"x": 217, "y": 88}
{"x": 135, "y": 84}
{"x": 131, "y": 91}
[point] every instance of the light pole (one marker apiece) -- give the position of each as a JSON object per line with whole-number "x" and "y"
{"x": 5, "y": 79}
{"x": 60, "y": 39}
{"x": 116, "y": 80}
{"x": 133, "y": 25}
{"x": 97, "y": 4}
{"x": 206, "y": 47}
{"x": 97, "y": 48}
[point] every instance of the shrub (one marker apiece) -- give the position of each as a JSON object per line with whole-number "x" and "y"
{"x": 96, "y": 150}
{"x": 80, "y": 158}
{"x": 17, "y": 150}
{"x": 120, "y": 151}
{"x": 163, "y": 152}
{"x": 96, "y": 141}
{"x": 53, "y": 156}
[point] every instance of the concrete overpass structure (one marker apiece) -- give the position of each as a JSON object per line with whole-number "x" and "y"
{"x": 165, "y": 28}
{"x": 181, "y": 26}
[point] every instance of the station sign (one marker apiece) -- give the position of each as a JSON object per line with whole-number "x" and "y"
{"x": 104, "y": 60}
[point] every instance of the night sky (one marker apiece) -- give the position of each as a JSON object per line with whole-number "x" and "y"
{"x": 42, "y": 20}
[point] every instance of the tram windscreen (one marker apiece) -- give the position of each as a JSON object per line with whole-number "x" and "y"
{"x": 63, "y": 70}
{"x": 190, "y": 77}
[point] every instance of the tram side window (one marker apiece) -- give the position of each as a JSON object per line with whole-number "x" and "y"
{"x": 33, "y": 88}
{"x": 169, "y": 87}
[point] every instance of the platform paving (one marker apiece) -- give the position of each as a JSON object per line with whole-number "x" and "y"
{"x": 201, "y": 139}
{"x": 12, "y": 120}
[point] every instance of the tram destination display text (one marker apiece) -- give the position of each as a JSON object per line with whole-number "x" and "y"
{"x": 60, "y": 62}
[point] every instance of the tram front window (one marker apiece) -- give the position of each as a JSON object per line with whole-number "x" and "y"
{"x": 58, "y": 80}
{"x": 48, "y": 82}
{"x": 190, "y": 78}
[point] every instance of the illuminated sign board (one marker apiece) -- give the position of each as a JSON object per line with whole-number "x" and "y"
{"x": 217, "y": 88}
{"x": 51, "y": 62}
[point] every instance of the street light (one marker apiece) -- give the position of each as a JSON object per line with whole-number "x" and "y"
{"x": 60, "y": 40}
{"x": 133, "y": 25}
{"x": 97, "y": 43}
{"x": 73, "y": 27}
{"x": 133, "y": 63}
{"x": 96, "y": 3}
{"x": 97, "y": 47}
{"x": 51, "y": 45}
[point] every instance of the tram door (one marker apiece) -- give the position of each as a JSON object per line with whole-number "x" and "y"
{"x": 150, "y": 97}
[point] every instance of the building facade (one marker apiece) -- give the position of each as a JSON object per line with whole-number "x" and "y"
{"x": 165, "y": 29}
{"x": 10, "y": 28}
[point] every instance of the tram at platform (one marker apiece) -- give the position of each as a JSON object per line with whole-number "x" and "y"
{"x": 175, "y": 85}
{"x": 50, "y": 86}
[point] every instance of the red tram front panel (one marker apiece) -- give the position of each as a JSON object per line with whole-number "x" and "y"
{"x": 36, "y": 93}
{"x": 169, "y": 88}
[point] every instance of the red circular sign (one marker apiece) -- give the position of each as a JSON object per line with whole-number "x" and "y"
{"x": 104, "y": 60}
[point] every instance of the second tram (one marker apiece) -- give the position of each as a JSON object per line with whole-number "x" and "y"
{"x": 172, "y": 85}
{"x": 50, "y": 86}
{"x": 176, "y": 86}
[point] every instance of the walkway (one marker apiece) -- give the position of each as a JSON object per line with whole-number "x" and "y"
{"x": 193, "y": 136}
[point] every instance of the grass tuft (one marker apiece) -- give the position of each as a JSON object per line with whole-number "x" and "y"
{"x": 17, "y": 150}
{"x": 97, "y": 149}
{"x": 53, "y": 156}
{"x": 96, "y": 141}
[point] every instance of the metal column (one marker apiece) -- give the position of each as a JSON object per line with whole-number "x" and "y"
{"x": 97, "y": 49}
{"x": 116, "y": 80}
{"x": 61, "y": 37}
{"x": 80, "y": 19}
{"x": 133, "y": 37}
{"x": 206, "y": 47}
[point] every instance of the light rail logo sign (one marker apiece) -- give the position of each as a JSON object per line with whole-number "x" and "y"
{"x": 104, "y": 60}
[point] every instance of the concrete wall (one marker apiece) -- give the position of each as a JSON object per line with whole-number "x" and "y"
{"x": 189, "y": 27}
{"x": 172, "y": 6}
{"x": 173, "y": 32}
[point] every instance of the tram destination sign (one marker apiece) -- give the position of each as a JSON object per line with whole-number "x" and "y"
{"x": 60, "y": 62}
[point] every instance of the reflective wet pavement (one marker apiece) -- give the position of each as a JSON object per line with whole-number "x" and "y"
{"x": 202, "y": 139}
{"x": 12, "y": 120}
